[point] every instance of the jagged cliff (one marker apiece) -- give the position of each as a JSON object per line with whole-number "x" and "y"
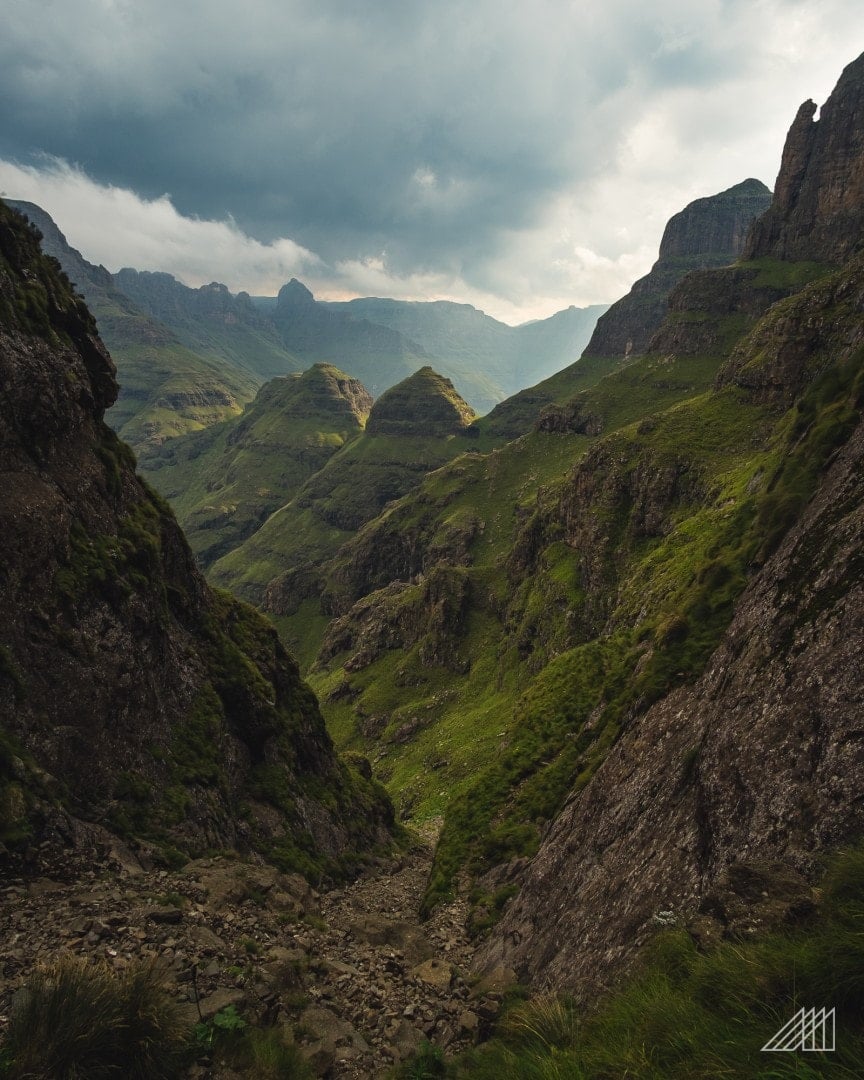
{"x": 718, "y": 796}
{"x": 710, "y": 232}
{"x": 818, "y": 209}
{"x": 132, "y": 696}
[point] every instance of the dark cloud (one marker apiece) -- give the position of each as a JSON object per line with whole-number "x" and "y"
{"x": 431, "y": 132}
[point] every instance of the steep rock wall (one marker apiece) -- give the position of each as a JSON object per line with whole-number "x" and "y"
{"x": 131, "y": 694}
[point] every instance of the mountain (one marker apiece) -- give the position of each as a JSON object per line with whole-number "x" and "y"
{"x": 413, "y": 428}
{"x": 639, "y": 621}
{"x": 462, "y": 340}
{"x": 211, "y": 321}
{"x": 188, "y": 358}
{"x": 708, "y": 232}
{"x": 134, "y": 699}
{"x": 225, "y": 481}
{"x": 768, "y": 768}
{"x": 166, "y": 386}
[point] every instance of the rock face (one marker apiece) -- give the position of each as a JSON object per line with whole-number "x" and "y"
{"x": 724, "y": 791}
{"x": 709, "y": 232}
{"x": 130, "y": 693}
{"x": 818, "y": 209}
{"x": 752, "y": 771}
{"x": 424, "y": 404}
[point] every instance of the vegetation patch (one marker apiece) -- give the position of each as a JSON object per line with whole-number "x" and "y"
{"x": 688, "y": 1014}
{"x": 78, "y": 1018}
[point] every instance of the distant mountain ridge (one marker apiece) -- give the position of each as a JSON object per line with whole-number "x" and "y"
{"x": 170, "y": 384}
{"x": 188, "y": 357}
{"x": 505, "y": 355}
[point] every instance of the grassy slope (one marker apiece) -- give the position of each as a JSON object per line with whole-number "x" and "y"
{"x": 223, "y": 482}
{"x": 351, "y": 488}
{"x": 498, "y": 747}
{"x": 699, "y": 1015}
{"x": 468, "y": 717}
{"x": 166, "y": 389}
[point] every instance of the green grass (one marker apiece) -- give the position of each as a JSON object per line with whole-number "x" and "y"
{"x": 224, "y": 481}
{"x": 691, "y": 1015}
{"x": 77, "y": 1018}
{"x": 554, "y": 631}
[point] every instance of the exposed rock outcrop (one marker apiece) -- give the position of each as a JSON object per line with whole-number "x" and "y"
{"x": 818, "y": 209}
{"x": 172, "y": 378}
{"x": 131, "y": 693}
{"x": 709, "y": 232}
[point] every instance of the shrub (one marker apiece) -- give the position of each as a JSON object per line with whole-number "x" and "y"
{"x": 78, "y": 1018}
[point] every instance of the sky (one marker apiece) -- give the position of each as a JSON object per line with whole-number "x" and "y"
{"x": 519, "y": 157}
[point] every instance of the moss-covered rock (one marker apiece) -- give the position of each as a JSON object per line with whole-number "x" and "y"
{"x": 137, "y": 695}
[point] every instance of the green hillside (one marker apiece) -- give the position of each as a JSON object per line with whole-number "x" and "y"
{"x": 223, "y": 482}
{"x": 496, "y": 626}
{"x": 413, "y": 428}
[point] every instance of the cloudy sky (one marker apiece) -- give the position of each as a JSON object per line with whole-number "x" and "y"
{"x": 521, "y": 157}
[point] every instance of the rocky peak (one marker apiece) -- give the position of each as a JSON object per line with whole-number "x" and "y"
{"x": 423, "y": 404}
{"x": 293, "y": 296}
{"x": 710, "y": 232}
{"x": 818, "y": 209}
{"x": 714, "y": 226}
{"x": 322, "y": 391}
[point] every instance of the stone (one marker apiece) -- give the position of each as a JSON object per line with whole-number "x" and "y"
{"x": 435, "y": 973}
{"x": 221, "y": 999}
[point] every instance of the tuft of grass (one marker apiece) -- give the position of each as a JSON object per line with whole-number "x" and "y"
{"x": 690, "y": 1015}
{"x": 77, "y": 1018}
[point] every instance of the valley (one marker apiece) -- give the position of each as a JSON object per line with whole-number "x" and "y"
{"x": 442, "y": 698}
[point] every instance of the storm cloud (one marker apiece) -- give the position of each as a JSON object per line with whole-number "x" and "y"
{"x": 526, "y": 155}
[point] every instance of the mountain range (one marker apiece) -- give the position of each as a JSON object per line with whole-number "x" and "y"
{"x": 191, "y": 357}
{"x": 608, "y": 637}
